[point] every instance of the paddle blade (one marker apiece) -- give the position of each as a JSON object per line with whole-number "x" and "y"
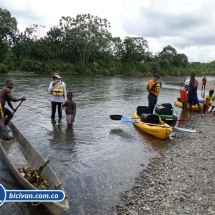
{"x": 125, "y": 120}
{"x": 185, "y": 129}
{"x": 116, "y": 117}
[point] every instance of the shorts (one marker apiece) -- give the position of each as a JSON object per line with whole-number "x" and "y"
{"x": 183, "y": 95}
{"x": 7, "y": 112}
{"x": 193, "y": 98}
{"x": 69, "y": 118}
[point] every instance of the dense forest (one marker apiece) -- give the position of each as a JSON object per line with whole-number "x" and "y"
{"x": 83, "y": 45}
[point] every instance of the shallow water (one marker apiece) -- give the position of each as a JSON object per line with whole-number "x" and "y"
{"x": 98, "y": 158}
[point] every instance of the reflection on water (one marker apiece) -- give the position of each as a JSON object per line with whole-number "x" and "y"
{"x": 98, "y": 158}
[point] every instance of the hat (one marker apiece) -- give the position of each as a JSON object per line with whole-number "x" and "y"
{"x": 56, "y": 75}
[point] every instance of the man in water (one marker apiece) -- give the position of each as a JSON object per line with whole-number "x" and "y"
{"x": 6, "y": 96}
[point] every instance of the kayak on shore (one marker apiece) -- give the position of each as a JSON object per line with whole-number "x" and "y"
{"x": 160, "y": 129}
{"x": 195, "y": 107}
{"x": 166, "y": 112}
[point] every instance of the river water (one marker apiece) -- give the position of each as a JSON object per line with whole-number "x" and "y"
{"x": 98, "y": 158}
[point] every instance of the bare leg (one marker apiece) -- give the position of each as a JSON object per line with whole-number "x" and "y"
{"x": 200, "y": 108}
{"x": 182, "y": 105}
{"x": 1, "y": 123}
{"x": 8, "y": 118}
{"x": 190, "y": 104}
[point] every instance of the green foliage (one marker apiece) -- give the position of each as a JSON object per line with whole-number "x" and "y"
{"x": 4, "y": 49}
{"x": 87, "y": 34}
{"x": 3, "y": 69}
{"x": 8, "y": 26}
{"x": 9, "y": 60}
{"x": 133, "y": 50}
{"x": 83, "y": 45}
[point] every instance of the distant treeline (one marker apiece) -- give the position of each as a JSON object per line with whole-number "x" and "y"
{"x": 83, "y": 45}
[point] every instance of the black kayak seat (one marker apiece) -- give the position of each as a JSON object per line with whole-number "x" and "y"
{"x": 167, "y": 105}
{"x": 150, "y": 118}
{"x": 165, "y": 111}
{"x": 142, "y": 109}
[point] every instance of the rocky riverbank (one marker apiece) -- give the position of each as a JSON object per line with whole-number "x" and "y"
{"x": 181, "y": 180}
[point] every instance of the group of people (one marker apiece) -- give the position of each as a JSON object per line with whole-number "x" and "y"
{"x": 57, "y": 89}
{"x": 188, "y": 93}
{"x": 189, "y": 89}
{"x": 59, "y": 98}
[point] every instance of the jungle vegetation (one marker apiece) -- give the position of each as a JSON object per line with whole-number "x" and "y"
{"x": 83, "y": 45}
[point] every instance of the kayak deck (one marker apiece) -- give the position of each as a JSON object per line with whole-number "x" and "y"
{"x": 161, "y": 130}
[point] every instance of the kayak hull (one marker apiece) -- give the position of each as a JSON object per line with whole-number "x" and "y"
{"x": 172, "y": 117}
{"x": 28, "y": 156}
{"x": 161, "y": 131}
{"x": 194, "y": 107}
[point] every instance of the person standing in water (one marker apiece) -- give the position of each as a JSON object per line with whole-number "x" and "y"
{"x": 6, "y": 96}
{"x": 57, "y": 88}
{"x": 70, "y": 109}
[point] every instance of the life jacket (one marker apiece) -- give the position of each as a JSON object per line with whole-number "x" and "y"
{"x": 182, "y": 84}
{"x": 58, "y": 90}
{"x": 155, "y": 87}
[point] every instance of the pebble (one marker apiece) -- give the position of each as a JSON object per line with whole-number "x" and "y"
{"x": 181, "y": 180}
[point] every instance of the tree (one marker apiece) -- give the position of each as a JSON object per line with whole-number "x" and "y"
{"x": 134, "y": 50}
{"x": 167, "y": 55}
{"x": 8, "y": 25}
{"x": 181, "y": 60}
{"x": 8, "y": 28}
{"x": 87, "y": 34}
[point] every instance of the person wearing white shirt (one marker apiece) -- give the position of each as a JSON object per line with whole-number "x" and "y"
{"x": 57, "y": 89}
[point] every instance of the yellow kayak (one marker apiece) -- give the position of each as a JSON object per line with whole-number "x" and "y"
{"x": 161, "y": 130}
{"x": 178, "y": 103}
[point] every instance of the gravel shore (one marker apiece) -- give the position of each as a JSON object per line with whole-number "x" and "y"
{"x": 181, "y": 180}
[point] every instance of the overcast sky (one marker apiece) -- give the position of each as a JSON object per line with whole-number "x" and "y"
{"x": 186, "y": 25}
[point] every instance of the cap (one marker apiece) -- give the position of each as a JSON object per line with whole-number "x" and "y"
{"x": 56, "y": 75}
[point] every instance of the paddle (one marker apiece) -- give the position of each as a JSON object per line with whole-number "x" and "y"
{"x": 177, "y": 120}
{"x": 126, "y": 120}
{"x": 17, "y": 106}
{"x": 7, "y": 119}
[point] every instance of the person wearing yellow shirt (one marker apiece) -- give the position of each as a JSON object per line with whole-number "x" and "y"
{"x": 153, "y": 87}
{"x": 208, "y": 100}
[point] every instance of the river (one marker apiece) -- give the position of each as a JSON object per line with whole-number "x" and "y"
{"x": 98, "y": 158}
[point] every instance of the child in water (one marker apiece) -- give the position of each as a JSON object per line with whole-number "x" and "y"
{"x": 70, "y": 109}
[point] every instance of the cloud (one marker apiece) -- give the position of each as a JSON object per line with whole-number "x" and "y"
{"x": 184, "y": 25}
{"x": 188, "y": 26}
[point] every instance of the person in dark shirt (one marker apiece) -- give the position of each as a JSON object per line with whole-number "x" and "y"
{"x": 192, "y": 93}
